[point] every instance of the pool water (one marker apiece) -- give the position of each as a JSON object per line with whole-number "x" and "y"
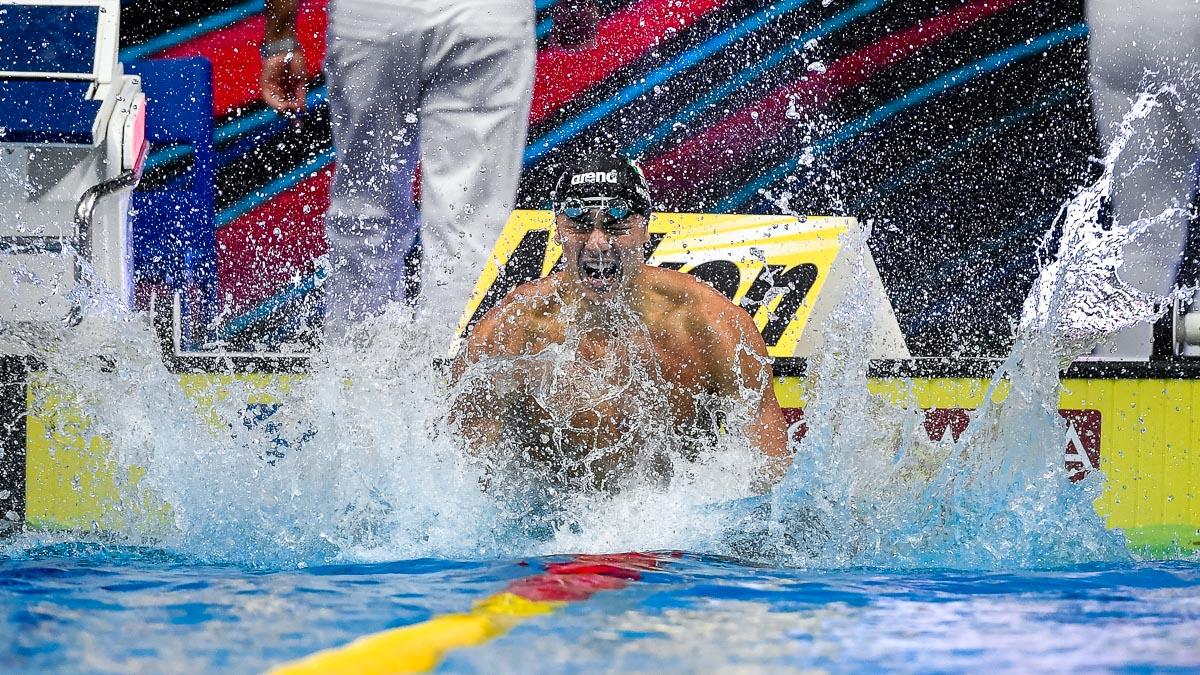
{"x": 93, "y": 608}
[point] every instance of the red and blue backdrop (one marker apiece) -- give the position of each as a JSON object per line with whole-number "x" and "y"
{"x": 956, "y": 127}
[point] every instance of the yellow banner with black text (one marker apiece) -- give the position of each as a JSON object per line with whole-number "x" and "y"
{"x": 773, "y": 266}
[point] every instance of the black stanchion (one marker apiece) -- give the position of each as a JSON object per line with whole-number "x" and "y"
{"x": 13, "y": 379}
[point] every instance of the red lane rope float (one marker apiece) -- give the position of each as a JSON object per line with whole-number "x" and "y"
{"x": 420, "y": 647}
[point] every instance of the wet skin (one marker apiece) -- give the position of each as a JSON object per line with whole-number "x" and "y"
{"x": 695, "y": 343}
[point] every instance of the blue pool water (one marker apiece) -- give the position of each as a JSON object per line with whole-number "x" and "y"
{"x": 88, "y": 608}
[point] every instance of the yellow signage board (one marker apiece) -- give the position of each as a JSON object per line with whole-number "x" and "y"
{"x": 773, "y": 266}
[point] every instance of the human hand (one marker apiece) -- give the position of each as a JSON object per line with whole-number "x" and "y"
{"x": 284, "y": 81}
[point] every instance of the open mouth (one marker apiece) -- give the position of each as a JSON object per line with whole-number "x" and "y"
{"x": 601, "y": 271}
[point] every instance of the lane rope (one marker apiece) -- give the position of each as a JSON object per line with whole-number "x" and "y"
{"x": 420, "y": 647}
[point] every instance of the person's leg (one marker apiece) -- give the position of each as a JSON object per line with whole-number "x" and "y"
{"x": 474, "y": 114}
{"x": 1189, "y": 110}
{"x": 371, "y": 223}
{"x": 1156, "y": 171}
{"x": 1144, "y": 188}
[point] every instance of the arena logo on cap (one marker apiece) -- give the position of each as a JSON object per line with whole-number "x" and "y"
{"x": 595, "y": 177}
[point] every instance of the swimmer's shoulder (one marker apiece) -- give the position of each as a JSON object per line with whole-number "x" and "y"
{"x": 676, "y": 288}
{"x": 704, "y": 310}
{"x": 524, "y": 312}
{"x": 689, "y": 295}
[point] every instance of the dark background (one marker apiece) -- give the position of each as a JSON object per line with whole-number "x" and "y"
{"x": 957, "y": 129}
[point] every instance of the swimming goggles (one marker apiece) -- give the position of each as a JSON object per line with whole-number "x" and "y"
{"x": 618, "y": 208}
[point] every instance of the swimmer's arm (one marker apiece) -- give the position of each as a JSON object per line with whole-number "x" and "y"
{"x": 768, "y": 432}
{"x": 479, "y": 434}
{"x": 744, "y": 355}
{"x": 480, "y": 410}
{"x": 480, "y": 429}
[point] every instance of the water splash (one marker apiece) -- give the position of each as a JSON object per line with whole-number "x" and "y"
{"x": 359, "y": 464}
{"x": 874, "y": 490}
{"x": 348, "y": 462}
{"x": 1079, "y": 296}
{"x": 868, "y": 486}
{"x": 358, "y": 461}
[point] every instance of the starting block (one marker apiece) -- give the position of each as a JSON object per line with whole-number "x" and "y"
{"x": 72, "y": 147}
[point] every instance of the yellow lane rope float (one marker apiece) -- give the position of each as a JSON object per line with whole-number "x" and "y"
{"x": 420, "y": 647}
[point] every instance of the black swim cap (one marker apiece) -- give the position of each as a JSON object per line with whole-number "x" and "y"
{"x": 604, "y": 176}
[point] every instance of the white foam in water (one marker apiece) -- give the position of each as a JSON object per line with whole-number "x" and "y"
{"x": 365, "y": 472}
{"x": 373, "y": 470}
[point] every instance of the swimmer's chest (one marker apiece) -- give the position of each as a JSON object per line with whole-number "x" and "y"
{"x": 664, "y": 367}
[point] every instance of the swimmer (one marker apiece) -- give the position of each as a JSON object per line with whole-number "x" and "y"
{"x": 608, "y": 355}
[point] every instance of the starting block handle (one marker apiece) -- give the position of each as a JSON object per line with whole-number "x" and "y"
{"x": 169, "y": 326}
{"x": 86, "y": 208}
{"x": 85, "y": 211}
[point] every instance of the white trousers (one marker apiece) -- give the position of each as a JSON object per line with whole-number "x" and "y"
{"x": 1133, "y": 48}
{"x": 448, "y": 82}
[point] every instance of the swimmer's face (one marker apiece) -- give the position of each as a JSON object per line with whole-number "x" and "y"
{"x": 601, "y": 253}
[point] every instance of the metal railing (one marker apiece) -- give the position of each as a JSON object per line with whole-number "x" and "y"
{"x": 85, "y": 209}
{"x": 81, "y": 241}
